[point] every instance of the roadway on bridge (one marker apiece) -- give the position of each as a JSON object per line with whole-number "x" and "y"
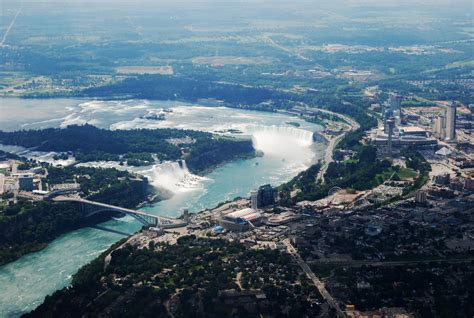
{"x": 162, "y": 221}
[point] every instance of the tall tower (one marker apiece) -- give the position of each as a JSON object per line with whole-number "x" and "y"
{"x": 186, "y": 215}
{"x": 451, "y": 122}
{"x": 440, "y": 126}
{"x": 391, "y": 125}
{"x": 254, "y": 204}
{"x": 434, "y": 126}
{"x": 395, "y": 101}
{"x": 387, "y": 113}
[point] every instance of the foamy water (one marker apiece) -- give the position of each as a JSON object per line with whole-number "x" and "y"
{"x": 270, "y": 133}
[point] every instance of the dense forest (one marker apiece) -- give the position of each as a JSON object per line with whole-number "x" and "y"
{"x": 145, "y": 282}
{"x": 360, "y": 173}
{"x": 135, "y": 147}
{"x": 208, "y": 155}
{"x": 180, "y": 88}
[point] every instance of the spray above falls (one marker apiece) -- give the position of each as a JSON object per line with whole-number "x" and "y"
{"x": 173, "y": 176}
{"x": 281, "y": 141}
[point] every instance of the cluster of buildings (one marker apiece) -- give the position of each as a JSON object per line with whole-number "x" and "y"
{"x": 445, "y": 186}
{"x": 444, "y": 125}
{"x": 244, "y": 219}
{"x": 257, "y": 216}
{"x": 396, "y": 133}
{"x": 29, "y": 183}
{"x": 13, "y": 180}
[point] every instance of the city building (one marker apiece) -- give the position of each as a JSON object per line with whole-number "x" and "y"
{"x": 391, "y": 125}
{"x": 451, "y": 122}
{"x": 5, "y": 167}
{"x": 438, "y": 127}
{"x": 421, "y": 198}
{"x": 444, "y": 152}
{"x": 392, "y": 108}
{"x": 264, "y": 196}
{"x": 456, "y": 185}
{"x": 413, "y": 131}
{"x": 394, "y": 136}
{"x": 395, "y": 102}
{"x": 444, "y": 126}
{"x": 283, "y": 218}
{"x": 399, "y": 140}
{"x": 442, "y": 179}
{"x": 25, "y": 182}
{"x": 254, "y": 199}
{"x": 240, "y": 220}
{"x": 186, "y": 215}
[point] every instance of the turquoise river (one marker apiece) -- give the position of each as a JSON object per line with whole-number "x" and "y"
{"x": 286, "y": 142}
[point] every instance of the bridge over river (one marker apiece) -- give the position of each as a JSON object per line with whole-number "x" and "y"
{"x": 90, "y": 208}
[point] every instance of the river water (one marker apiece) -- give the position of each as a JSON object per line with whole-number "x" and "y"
{"x": 285, "y": 141}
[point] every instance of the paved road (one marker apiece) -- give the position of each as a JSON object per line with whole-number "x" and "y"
{"x": 328, "y": 156}
{"x": 5, "y": 35}
{"x": 274, "y": 44}
{"x": 316, "y": 281}
{"x": 354, "y": 125}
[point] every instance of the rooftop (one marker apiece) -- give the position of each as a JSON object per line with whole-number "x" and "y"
{"x": 412, "y": 129}
{"x": 241, "y": 213}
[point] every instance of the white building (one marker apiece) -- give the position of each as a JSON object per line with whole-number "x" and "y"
{"x": 241, "y": 220}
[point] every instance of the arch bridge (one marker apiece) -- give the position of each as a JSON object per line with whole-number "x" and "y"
{"x": 90, "y": 208}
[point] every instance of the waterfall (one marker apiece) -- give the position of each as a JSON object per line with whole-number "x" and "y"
{"x": 281, "y": 141}
{"x": 174, "y": 176}
{"x": 171, "y": 176}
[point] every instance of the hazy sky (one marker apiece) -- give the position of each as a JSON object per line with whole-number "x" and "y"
{"x": 312, "y": 2}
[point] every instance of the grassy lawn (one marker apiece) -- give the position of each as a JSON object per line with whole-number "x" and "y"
{"x": 407, "y": 173}
{"x": 385, "y": 175}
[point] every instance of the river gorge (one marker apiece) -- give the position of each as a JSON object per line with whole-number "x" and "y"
{"x": 285, "y": 141}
